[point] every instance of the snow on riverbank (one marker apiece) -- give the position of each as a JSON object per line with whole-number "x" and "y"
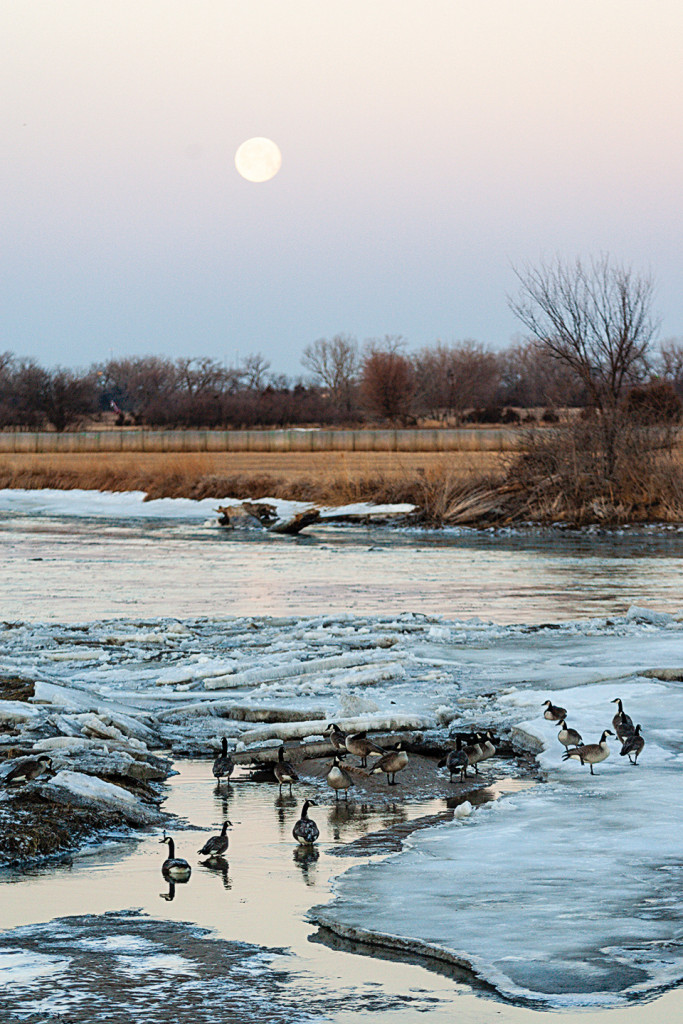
{"x": 132, "y": 505}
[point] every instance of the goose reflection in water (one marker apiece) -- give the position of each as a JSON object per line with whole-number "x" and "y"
{"x": 170, "y": 895}
{"x": 339, "y": 816}
{"x": 306, "y": 857}
{"x": 283, "y": 804}
{"x": 220, "y": 866}
{"x": 221, "y": 793}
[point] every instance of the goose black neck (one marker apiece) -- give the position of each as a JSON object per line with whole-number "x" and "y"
{"x": 171, "y": 848}
{"x": 224, "y": 747}
{"x": 304, "y": 810}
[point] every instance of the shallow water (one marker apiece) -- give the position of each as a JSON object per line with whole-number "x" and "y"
{"x": 68, "y": 568}
{"x": 262, "y": 898}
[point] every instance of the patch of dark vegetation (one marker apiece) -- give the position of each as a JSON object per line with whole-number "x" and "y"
{"x": 16, "y": 688}
{"x": 33, "y": 828}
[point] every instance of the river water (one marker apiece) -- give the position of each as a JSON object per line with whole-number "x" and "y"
{"x": 70, "y": 568}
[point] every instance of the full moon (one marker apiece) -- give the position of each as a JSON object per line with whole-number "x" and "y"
{"x": 258, "y": 159}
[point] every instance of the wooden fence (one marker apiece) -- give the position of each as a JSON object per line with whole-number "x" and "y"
{"x": 133, "y": 440}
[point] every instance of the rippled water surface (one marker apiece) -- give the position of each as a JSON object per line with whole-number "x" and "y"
{"x": 69, "y": 569}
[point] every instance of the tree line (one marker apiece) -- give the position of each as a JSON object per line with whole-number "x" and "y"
{"x": 345, "y": 383}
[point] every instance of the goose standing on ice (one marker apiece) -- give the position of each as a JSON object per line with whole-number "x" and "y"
{"x": 223, "y": 766}
{"x": 474, "y": 751}
{"x": 553, "y": 713}
{"x": 590, "y": 753}
{"x": 337, "y": 736}
{"x": 29, "y": 768}
{"x": 568, "y": 737}
{"x": 455, "y": 761}
{"x": 623, "y": 724}
{"x": 174, "y": 868}
{"x": 339, "y": 779}
{"x": 284, "y": 770}
{"x": 217, "y": 845}
{"x": 306, "y": 831}
{"x": 391, "y": 762}
{"x": 361, "y": 746}
{"x": 633, "y": 744}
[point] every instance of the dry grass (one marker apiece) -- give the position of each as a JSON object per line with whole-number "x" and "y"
{"x": 333, "y": 477}
{"x": 549, "y": 482}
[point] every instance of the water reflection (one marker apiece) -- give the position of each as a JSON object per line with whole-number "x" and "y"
{"x": 306, "y": 857}
{"x": 219, "y": 866}
{"x": 535, "y": 576}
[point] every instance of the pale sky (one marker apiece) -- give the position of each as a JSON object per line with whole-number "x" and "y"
{"x": 426, "y": 148}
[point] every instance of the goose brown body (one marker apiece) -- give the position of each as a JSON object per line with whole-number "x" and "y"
{"x": 623, "y": 723}
{"x": 590, "y": 753}
{"x": 361, "y": 746}
{"x": 391, "y": 762}
{"x": 339, "y": 779}
{"x": 306, "y": 831}
{"x": 633, "y": 745}
{"x": 217, "y": 845}
{"x": 223, "y": 766}
{"x": 284, "y": 771}
{"x": 553, "y": 712}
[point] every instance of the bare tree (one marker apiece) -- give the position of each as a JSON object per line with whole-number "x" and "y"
{"x": 388, "y": 384}
{"x": 671, "y": 363}
{"x": 596, "y": 318}
{"x": 334, "y": 364}
{"x": 255, "y": 371}
{"x": 452, "y": 378}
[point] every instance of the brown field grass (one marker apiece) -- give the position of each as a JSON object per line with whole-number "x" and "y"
{"x": 333, "y": 477}
{"x": 475, "y": 488}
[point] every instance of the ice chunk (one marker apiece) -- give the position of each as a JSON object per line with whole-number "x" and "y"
{"x": 87, "y": 791}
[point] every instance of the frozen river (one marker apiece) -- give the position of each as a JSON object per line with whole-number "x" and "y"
{"x": 74, "y": 555}
{"x": 565, "y": 896}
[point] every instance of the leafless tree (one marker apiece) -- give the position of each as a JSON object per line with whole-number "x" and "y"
{"x": 453, "y": 378}
{"x": 387, "y": 385}
{"x": 671, "y": 363}
{"x": 596, "y": 318}
{"x": 254, "y": 371}
{"x": 334, "y": 363}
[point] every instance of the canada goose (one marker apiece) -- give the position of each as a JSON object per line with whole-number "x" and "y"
{"x": 306, "y": 831}
{"x": 223, "y": 766}
{"x": 284, "y": 771}
{"x": 568, "y": 737}
{"x": 338, "y": 778}
{"x": 633, "y": 745}
{"x": 474, "y": 751}
{"x": 553, "y": 713}
{"x": 217, "y": 845}
{"x": 174, "y": 867}
{"x": 456, "y": 761}
{"x": 623, "y": 725}
{"x": 488, "y": 747}
{"x": 337, "y": 736}
{"x": 590, "y": 753}
{"x": 29, "y": 768}
{"x": 360, "y": 745}
{"x": 391, "y": 762}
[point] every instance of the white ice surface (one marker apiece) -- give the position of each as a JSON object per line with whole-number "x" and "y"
{"x": 132, "y": 505}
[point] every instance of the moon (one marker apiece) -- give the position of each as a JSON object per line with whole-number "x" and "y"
{"x": 258, "y": 159}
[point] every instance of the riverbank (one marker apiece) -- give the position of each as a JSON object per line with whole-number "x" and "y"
{"x": 456, "y": 488}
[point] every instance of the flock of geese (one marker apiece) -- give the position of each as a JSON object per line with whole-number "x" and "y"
{"x": 468, "y": 754}
{"x": 630, "y": 737}
{"x": 469, "y": 751}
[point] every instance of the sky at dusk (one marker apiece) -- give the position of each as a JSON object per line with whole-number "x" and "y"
{"x": 427, "y": 148}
